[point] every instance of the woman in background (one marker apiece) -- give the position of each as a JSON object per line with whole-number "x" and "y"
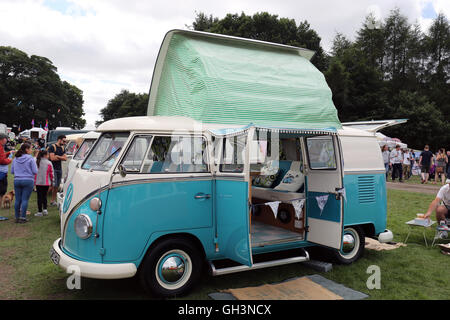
{"x": 43, "y": 181}
{"x": 441, "y": 163}
{"x": 24, "y": 169}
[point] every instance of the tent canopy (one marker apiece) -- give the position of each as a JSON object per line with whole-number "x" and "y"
{"x": 221, "y": 79}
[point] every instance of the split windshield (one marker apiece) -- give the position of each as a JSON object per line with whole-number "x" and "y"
{"x": 106, "y": 151}
{"x": 84, "y": 149}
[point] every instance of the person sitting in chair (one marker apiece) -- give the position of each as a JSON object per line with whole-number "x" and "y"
{"x": 442, "y": 211}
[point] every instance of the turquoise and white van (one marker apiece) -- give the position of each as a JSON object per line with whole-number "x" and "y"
{"x": 164, "y": 198}
{"x": 241, "y": 155}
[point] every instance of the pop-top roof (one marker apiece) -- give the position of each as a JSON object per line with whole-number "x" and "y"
{"x": 220, "y": 79}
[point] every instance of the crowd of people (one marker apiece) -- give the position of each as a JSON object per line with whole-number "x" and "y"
{"x": 400, "y": 163}
{"x": 41, "y": 173}
{"x": 432, "y": 166}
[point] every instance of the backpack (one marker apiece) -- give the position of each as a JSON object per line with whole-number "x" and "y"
{"x": 54, "y": 147}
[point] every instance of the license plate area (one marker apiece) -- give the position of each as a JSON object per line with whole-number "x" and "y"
{"x": 54, "y": 256}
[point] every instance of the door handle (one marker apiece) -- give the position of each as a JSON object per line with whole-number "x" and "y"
{"x": 202, "y": 196}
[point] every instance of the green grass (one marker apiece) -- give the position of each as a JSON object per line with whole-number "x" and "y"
{"x": 412, "y": 272}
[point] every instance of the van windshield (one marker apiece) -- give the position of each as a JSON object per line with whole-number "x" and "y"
{"x": 106, "y": 151}
{"x": 83, "y": 150}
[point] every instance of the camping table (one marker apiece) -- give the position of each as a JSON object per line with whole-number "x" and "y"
{"x": 412, "y": 224}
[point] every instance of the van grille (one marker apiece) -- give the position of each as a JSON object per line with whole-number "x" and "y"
{"x": 366, "y": 189}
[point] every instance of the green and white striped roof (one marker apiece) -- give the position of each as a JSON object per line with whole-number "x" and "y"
{"x": 220, "y": 79}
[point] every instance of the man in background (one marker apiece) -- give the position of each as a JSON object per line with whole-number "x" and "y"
{"x": 425, "y": 163}
{"x": 396, "y": 158}
{"x": 57, "y": 154}
{"x": 406, "y": 164}
{"x": 442, "y": 210}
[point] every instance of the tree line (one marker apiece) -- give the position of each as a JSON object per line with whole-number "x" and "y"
{"x": 392, "y": 69}
{"x": 30, "y": 88}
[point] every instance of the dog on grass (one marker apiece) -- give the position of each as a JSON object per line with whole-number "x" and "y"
{"x": 8, "y": 199}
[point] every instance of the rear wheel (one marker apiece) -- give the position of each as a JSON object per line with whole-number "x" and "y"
{"x": 353, "y": 243}
{"x": 171, "y": 268}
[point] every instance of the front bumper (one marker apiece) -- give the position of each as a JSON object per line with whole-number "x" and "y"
{"x": 385, "y": 236}
{"x": 93, "y": 270}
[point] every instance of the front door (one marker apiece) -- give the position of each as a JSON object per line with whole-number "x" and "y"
{"x": 232, "y": 198}
{"x": 324, "y": 191}
{"x": 167, "y": 187}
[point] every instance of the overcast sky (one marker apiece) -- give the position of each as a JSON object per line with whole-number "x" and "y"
{"x": 104, "y": 46}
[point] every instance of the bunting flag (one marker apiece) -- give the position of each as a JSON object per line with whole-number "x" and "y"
{"x": 18, "y": 104}
{"x": 321, "y": 202}
{"x": 32, "y": 123}
{"x": 19, "y": 127}
{"x": 46, "y": 125}
{"x": 298, "y": 206}
{"x": 274, "y": 206}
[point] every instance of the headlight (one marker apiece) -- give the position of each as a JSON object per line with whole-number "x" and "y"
{"x": 83, "y": 226}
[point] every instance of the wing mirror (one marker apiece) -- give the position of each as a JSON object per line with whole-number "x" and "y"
{"x": 122, "y": 170}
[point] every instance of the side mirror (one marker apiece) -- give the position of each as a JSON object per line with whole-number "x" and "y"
{"x": 122, "y": 170}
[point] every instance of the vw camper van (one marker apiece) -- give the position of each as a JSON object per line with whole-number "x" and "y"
{"x": 241, "y": 154}
{"x": 159, "y": 196}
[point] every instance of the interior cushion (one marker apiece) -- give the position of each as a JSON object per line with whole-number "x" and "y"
{"x": 265, "y": 181}
{"x": 292, "y": 181}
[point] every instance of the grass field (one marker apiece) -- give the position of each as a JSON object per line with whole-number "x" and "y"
{"x": 412, "y": 272}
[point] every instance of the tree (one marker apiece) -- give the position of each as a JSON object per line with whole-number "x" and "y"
{"x": 125, "y": 104}
{"x": 426, "y": 124}
{"x": 30, "y": 88}
{"x": 395, "y": 70}
{"x": 265, "y": 27}
{"x": 437, "y": 73}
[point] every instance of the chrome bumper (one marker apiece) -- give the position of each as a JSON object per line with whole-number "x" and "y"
{"x": 90, "y": 269}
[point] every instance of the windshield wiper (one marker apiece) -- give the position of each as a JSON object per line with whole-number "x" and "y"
{"x": 109, "y": 157}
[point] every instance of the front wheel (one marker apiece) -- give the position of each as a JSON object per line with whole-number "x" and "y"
{"x": 171, "y": 268}
{"x": 353, "y": 242}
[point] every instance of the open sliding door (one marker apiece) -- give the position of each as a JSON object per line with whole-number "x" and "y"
{"x": 232, "y": 197}
{"x": 324, "y": 208}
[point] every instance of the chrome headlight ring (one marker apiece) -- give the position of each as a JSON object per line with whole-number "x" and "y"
{"x": 83, "y": 226}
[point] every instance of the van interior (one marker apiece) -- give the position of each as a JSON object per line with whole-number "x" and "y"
{"x": 278, "y": 181}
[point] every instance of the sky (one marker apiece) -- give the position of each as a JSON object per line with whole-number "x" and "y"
{"x": 104, "y": 46}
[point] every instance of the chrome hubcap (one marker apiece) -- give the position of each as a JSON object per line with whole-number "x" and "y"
{"x": 349, "y": 243}
{"x": 172, "y": 269}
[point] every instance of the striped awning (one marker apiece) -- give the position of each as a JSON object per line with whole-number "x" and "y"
{"x": 240, "y": 131}
{"x": 236, "y": 81}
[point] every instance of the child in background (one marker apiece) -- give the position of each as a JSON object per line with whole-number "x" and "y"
{"x": 43, "y": 181}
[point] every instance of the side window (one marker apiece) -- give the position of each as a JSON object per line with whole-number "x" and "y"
{"x": 233, "y": 154}
{"x": 177, "y": 154}
{"x": 321, "y": 152}
{"x": 136, "y": 154}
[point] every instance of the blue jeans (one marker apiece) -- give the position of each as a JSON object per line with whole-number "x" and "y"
{"x": 23, "y": 189}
